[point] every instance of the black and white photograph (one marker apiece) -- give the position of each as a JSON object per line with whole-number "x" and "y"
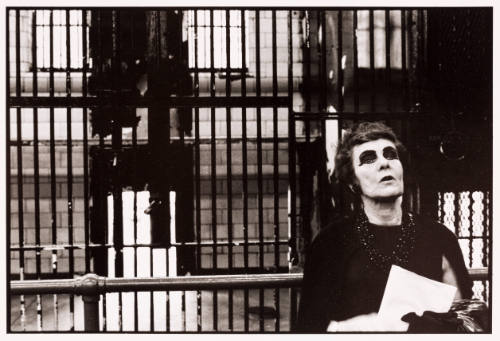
{"x": 240, "y": 169}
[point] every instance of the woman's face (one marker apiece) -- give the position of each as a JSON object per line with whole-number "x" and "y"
{"x": 377, "y": 170}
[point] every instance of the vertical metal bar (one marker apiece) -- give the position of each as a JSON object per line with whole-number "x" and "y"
{"x": 151, "y": 293}
{"x": 244, "y": 165}
{"x": 116, "y": 140}
{"x": 489, "y": 247}
{"x": 197, "y": 168}
{"x": 91, "y": 303}
{"x": 213, "y": 167}
{"x": 388, "y": 58}
{"x": 20, "y": 167}
{"x": 36, "y": 167}
{"x": 99, "y": 62}
{"x": 355, "y": 60}
{"x": 259, "y": 166}
{"x": 91, "y": 312}
{"x": 485, "y": 203}
{"x": 161, "y": 111}
{"x": 134, "y": 148}
{"x": 291, "y": 172}
{"x": 53, "y": 160}
{"x": 7, "y": 161}
{"x": 307, "y": 74}
{"x": 340, "y": 70}
{"x": 134, "y": 153}
{"x": 275, "y": 171}
{"x": 420, "y": 54}
{"x": 372, "y": 61}
{"x": 456, "y": 213}
{"x": 116, "y": 145}
{"x": 406, "y": 127}
{"x": 229, "y": 172}
{"x": 85, "y": 144}
{"x": 403, "y": 60}
{"x": 323, "y": 73}
{"x": 471, "y": 224}
{"x": 69, "y": 155}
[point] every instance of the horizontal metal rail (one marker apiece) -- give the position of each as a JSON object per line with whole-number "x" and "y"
{"x": 144, "y": 102}
{"x": 93, "y": 284}
{"x": 389, "y": 115}
{"x": 98, "y": 285}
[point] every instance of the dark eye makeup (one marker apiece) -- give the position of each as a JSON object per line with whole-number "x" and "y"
{"x": 390, "y": 153}
{"x": 369, "y": 156}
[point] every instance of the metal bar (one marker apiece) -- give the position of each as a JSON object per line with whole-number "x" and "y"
{"x": 134, "y": 146}
{"x": 275, "y": 171}
{"x": 105, "y": 315}
{"x": 8, "y": 171}
{"x": 91, "y": 313}
{"x": 244, "y": 165}
{"x": 359, "y": 115}
{"x": 388, "y": 58}
{"x": 85, "y": 144}
{"x": 50, "y": 247}
{"x": 471, "y": 226}
{"x": 110, "y": 285}
{"x": 200, "y": 102}
{"x": 36, "y": 166}
{"x": 404, "y": 67}
{"x": 53, "y": 161}
{"x": 291, "y": 172}
{"x": 151, "y": 300}
{"x": 307, "y": 73}
{"x": 420, "y": 57}
{"x": 134, "y": 203}
{"x": 259, "y": 163}
{"x": 116, "y": 138}
{"x": 490, "y": 246}
{"x": 228, "y": 167}
{"x": 104, "y": 285}
{"x": 340, "y": 71}
{"x": 372, "y": 61}
{"x": 213, "y": 168}
{"x": 323, "y": 76}
{"x": 355, "y": 60}
{"x": 69, "y": 156}
{"x": 486, "y": 224}
{"x": 19, "y": 152}
{"x": 197, "y": 170}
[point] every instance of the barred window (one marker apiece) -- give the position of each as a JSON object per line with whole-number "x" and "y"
{"x": 199, "y": 28}
{"x": 59, "y": 39}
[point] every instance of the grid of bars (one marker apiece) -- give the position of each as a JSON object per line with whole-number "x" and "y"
{"x": 222, "y": 306}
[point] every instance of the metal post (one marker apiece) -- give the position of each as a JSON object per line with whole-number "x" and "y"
{"x": 88, "y": 286}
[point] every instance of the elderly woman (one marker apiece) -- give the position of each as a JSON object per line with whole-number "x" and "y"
{"x": 348, "y": 263}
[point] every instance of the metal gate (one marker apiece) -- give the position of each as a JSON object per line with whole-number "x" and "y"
{"x": 165, "y": 142}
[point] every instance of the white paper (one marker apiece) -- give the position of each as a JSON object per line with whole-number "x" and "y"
{"x": 408, "y": 292}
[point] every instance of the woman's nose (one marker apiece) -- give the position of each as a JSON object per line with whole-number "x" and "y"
{"x": 383, "y": 162}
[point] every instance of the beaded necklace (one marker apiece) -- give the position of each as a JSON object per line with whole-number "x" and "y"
{"x": 401, "y": 251}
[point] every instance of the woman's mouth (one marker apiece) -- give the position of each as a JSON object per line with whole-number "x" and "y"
{"x": 387, "y": 178}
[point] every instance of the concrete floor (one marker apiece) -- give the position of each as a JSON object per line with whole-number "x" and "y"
{"x": 61, "y": 319}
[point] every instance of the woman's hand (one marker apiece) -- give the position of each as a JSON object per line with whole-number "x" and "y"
{"x": 367, "y": 323}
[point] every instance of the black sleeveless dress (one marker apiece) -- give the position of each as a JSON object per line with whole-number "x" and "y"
{"x": 340, "y": 281}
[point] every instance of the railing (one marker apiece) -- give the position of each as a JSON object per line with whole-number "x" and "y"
{"x": 91, "y": 286}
